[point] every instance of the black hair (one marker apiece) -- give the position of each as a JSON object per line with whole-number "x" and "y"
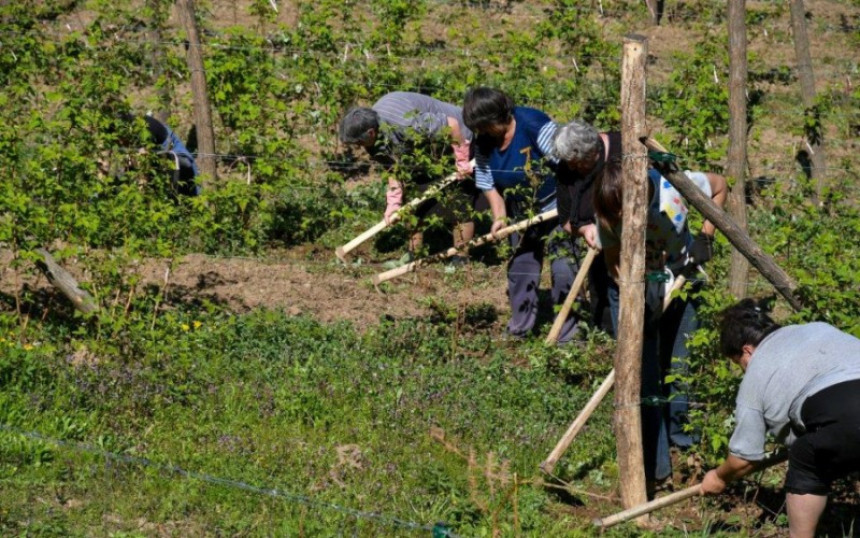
{"x": 356, "y": 125}
{"x": 487, "y": 106}
{"x": 745, "y": 323}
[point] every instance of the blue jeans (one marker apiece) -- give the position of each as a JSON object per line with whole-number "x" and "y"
{"x": 664, "y": 349}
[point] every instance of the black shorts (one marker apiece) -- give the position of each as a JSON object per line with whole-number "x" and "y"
{"x": 830, "y": 448}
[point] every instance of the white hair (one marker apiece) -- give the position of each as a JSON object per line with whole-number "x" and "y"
{"x": 576, "y": 141}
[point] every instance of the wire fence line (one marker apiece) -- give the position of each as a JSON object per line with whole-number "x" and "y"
{"x": 439, "y": 530}
{"x": 359, "y": 165}
{"x": 357, "y": 52}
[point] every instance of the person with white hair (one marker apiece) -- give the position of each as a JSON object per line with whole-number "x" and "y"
{"x": 582, "y": 153}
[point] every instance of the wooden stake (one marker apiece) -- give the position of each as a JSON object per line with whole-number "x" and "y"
{"x": 552, "y": 337}
{"x": 341, "y": 252}
{"x": 488, "y": 238}
{"x": 628, "y": 357}
{"x": 737, "y": 155}
{"x": 202, "y": 108}
{"x": 736, "y": 236}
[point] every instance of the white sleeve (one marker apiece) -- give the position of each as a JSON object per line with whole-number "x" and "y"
{"x": 545, "y": 138}
{"x": 483, "y": 174}
{"x": 701, "y": 181}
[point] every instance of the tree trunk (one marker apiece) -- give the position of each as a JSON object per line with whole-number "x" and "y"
{"x": 738, "y": 138}
{"x": 202, "y": 109}
{"x": 816, "y": 164}
{"x": 655, "y": 7}
{"x": 155, "y": 38}
{"x": 628, "y": 357}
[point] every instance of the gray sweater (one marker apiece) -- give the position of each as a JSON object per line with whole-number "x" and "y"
{"x": 787, "y": 367}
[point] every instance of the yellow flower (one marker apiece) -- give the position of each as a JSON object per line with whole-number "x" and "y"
{"x": 185, "y": 326}
{"x": 28, "y": 347}
{"x": 197, "y": 324}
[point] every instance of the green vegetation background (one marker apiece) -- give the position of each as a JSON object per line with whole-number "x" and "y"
{"x": 162, "y": 421}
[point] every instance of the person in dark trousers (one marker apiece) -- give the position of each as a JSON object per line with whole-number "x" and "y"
{"x": 513, "y": 168}
{"x": 582, "y": 153}
{"x": 168, "y": 144}
{"x": 396, "y": 125}
{"x": 801, "y": 384}
{"x": 670, "y": 250}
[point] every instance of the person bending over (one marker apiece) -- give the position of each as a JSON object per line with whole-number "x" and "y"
{"x": 801, "y": 384}
{"x": 670, "y": 251}
{"x": 513, "y": 168}
{"x": 400, "y": 123}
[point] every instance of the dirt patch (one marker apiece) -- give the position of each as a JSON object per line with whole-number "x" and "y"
{"x": 317, "y": 287}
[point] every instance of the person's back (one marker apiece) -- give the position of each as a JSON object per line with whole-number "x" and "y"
{"x": 794, "y": 363}
{"x": 425, "y": 116}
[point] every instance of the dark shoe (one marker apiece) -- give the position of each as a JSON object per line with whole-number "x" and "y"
{"x": 458, "y": 261}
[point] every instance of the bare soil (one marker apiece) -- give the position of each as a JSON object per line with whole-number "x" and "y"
{"x": 315, "y": 286}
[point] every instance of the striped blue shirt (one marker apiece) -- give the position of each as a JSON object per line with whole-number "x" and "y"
{"x": 529, "y": 150}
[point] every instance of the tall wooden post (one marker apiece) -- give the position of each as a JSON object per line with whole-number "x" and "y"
{"x": 815, "y": 138}
{"x": 202, "y": 109}
{"x": 738, "y": 138}
{"x": 628, "y": 357}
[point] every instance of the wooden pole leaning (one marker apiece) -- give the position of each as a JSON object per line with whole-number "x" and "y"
{"x": 488, "y": 238}
{"x": 552, "y": 337}
{"x": 341, "y": 252}
{"x": 548, "y": 465}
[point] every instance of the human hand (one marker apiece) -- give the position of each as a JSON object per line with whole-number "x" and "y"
{"x": 497, "y": 226}
{"x": 390, "y": 211}
{"x": 461, "y": 157}
{"x": 712, "y": 484}
{"x": 589, "y": 233}
{"x": 393, "y": 199}
{"x": 702, "y": 249}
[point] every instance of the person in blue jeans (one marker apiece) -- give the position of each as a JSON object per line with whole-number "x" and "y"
{"x": 513, "y": 169}
{"x": 168, "y": 144}
{"x": 671, "y": 250}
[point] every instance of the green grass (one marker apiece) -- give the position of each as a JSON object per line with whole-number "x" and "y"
{"x": 402, "y": 420}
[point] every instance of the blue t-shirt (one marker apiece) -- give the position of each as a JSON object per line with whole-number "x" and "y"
{"x": 529, "y": 147}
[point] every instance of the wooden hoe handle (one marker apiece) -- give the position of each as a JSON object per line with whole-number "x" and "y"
{"x": 341, "y": 252}
{"x": 552, "y": 337}
{"x": 488, "y": 238}
{"x": 647, "y": 508}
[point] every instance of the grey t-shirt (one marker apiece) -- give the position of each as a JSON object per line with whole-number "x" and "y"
{"x": 421, "y": 113}
{"x": 787, "y": 367}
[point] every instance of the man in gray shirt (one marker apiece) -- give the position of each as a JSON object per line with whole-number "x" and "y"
{"x": 401, "y": 122}
{"x": 802, "y": 385}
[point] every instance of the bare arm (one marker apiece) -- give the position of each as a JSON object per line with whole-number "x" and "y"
{"x": 497, "y": 206}
{"x": 730, "y": 470}
{"x": 719, "y": 193}
{"x": 456, "y": 133}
